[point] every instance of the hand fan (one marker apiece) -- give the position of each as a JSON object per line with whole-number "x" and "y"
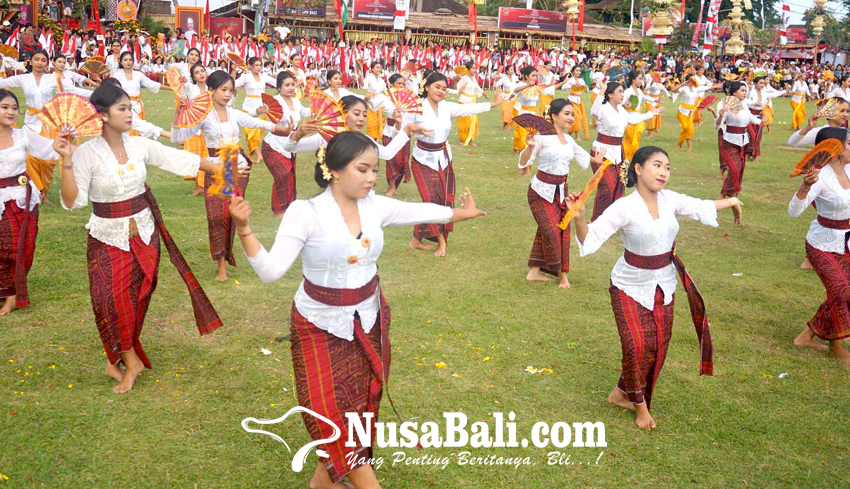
{"x": 94, "y": 66}
{"x": 634, "y": 102}
{"x": 818, "y": 156}
{"x": 9, "y": 51}
{"x": 585, "y": 194}
{"x": 577, "y": 89}
{"x": 275, "y": 112}
{"x": 461, "y": 70}
{"x": 614, "y": 73}
{"x": 310, "y": 86}
{"x": 731, "y": 104}
{"x": 238, "y": 61}
{"x": 405, "y": 100}
{"x": 532, "y": 92}
{"x": 693, "y": 82}
{"x": 828, "y": 108}
{"x": 731, "y": 77}
{"x": 707, "y": 102}
{"x": 531, "y": 122}
{"x": 101, "y": 59}
{"x": 224, "y": 179}
{"x": 73, "y": 113}
{"x": 327, "y": 114}
{"x": 195, "y": 110}
{"x": 175, "y": 80}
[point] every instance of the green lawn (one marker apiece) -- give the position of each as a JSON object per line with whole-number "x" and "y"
{"x": 61, "y": 425}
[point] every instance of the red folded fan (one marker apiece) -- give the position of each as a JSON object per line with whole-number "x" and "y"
{"x": 706, "y": 102}
{"x": 195, "y": 110}
{"x": 275, "y": 110}
{"x": 818, "y": 157}
{"x": 539, "y": 125}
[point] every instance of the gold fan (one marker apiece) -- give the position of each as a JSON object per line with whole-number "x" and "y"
{"x": 818, "y": 156}
{"x": 71, "y": 113}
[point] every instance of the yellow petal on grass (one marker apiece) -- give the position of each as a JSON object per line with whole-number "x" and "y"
{"x": 530, "y": 370}
{"x": 457, "y": 376}
{"x": 5, "y": 478}
{"x": 11, "y": 360}
{"x": 52, "y": 367}
{"x": 70, "y": 386}
{"x": 487, "y": 359}
{"x": 236, "y": 282}
{"x": 440, "y": 365}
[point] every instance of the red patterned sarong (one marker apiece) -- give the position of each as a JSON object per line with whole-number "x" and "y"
{"x": 832, "y": 319}
{"x": 398, "y": 166}
{"x": 334, "y": 376}
{"x": 18, "y": 231}
{"x": 283, "y": 174}
{"x": 723, "y": 165}
{"x": 610, "y": 188}
{"x": 733, "y": 156}
{"x": 551, "y": 248}
{"x": 436, "y": 187}
{"x": 122, "y": 282}
{"x": 754, "y": 132}
{"x": 219, "y": 225}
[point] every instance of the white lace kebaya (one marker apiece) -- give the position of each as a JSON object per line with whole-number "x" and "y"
{"x": 332, "y": 257}
{"x": 833, "y": 202}
{"x": 554, "y": 157}
{"x": 440, "y": 124}
{"x": 643, "y": 235}
{"x": 217, "y": 133}
{"x": 13, "y": 161}
{"x": 101, "y": 178}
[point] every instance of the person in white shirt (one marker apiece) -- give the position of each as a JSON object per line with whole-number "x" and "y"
{"x": 335, "y": 88}
{"x": 505, "y": 85}
{"x": 807, "y": 135}
{"x": 113, "y": 59}
{"x": 340, "y": 321}
{"x": 67, "y": 77}
{"x": 432, "y": 156}
{"x": 654, "y": 90}
{"x": 691, "y": 91}
{"x": 826, "y": 245}
{"x": 196, "y": 85}
{"x": 469, "y": 90}
{"x": 132, "y": 82}
{"x": 643, "y": 281}
{"x": 375, "y": 85}
{"x": 841, "y": 89}
{"x": 124, "y": 229}
{"x": 757, "y": 100}
{"x": 633, "y": 101}
{"x": 254, "y": 82}
{"x": 550, "y": 251}
{"x": 576, "y": 85}
{"x": 800, "y": 90}
{"x": 735, "y": 139}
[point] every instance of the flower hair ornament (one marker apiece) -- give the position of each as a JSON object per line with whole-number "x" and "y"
{"x": 422, "y": 85}
{"x": 326, "y": 173}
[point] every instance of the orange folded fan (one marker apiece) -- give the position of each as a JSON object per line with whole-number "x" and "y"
{"x": 175, "y": 80}
{"x": 310, "y": 86}
{"x": 585, "y": 194}
{"x": 94, "y": 66}
{"x": 238, "y": 61}
{"x": 327, "y": 114}
{"x": 195, "y": 110}
{"x": 72, "y": 113}
{"x": 818, "y": 157}
{"x": 275, "y": 110}
{"x": 405, "y": 100}
{"x": 707, "y": 101}
{"x": 9, "y": 51}
{"x": 101, "y": 59}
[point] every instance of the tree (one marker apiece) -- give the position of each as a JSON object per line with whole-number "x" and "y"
{"x": 835, "y": 32}
{"x": 81, "y": 13}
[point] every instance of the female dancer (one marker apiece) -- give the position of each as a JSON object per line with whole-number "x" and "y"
{"x": 547, "y": 81}
{"x": 298, "y": 73}
{"x": 652, "y": 95}
{"x": 798, "y": 101}
{"x": 690, "y": 94}
{"x": 281, "y": 163}
{"x": 19, "y": 199}
{"x": 374, "y": 85}
{"x": 255, "y": 82}
{"x": 193, "y": 57}
{"x": 335, "y": 88}
{"x": 701, "y": 81}
{"x": 643, "y": 281}
{"x": 807, "y": 135}
{"x": 38, "y": 88}
{"x": 575, "y": 84}
{"x": 397, "y": 167}
{"x": 220, "y": 127}
{"x": 734, "y": 141}
{"x": 467, "y": 86}
{"x": 841, "y": 89}
{"x": 66, "y": 77}
{"x": 506, "y": 84}
{"x": 549, "y": 188}
{"x": 124, "y": 230}
{"x": 144, "y": 128}
{"x": 132, "y": 82}
{"x": 196, "y": 144}
{"x": 826, "y": 246}
{"x": 341, "y": 355}
{"x": 113, "y": 60}
{"x": 631, "y": 138}
{"x": 757, "y": 99}
{"x": 432, "y": 156}
{"x": 612, "y": 119}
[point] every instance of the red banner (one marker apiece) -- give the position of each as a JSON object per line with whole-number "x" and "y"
{"x": 797, "y": 35}
{"x": 374, "y": 9}
{"x": 532, "y": 20}
{"x": 226, "y": 26}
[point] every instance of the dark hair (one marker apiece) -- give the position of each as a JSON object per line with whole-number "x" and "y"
{"x": 111, "y": 81}
{"x": 333, "y": 73}
{"x": 640, "y": 157}
{"x": 527, "y": 70}
{"x": 758, "y": 79}
{"x": 195, "y": 50}
{"x": 125, "y": 53}
{"x": 394, "y": 78}
{"x": 40, "y": 51}
{"x": 434, "y": 77}
{"x": 350, "y": 101}
{"x": 282, "y": 77}
{"x": 631, "y": 77}
{"x": 219, "y": 78}
{"x": 557, "y": 106}
{"x": 342, "y": 150}
{"x": 374, "y": 64}
{"x": 735, "y": 86}
{"x": 59, "y": 56}
{"x": 252, "y": 60}
{"x": 114, "y": 42}
{"x": 468, "y": 65}
{"x": 838, "y": 133}
{"x": 107, "y": 95}
{"x": 4, "y": 94}
{"x": 192, "y": 70}
{"x": 609, "y": 89}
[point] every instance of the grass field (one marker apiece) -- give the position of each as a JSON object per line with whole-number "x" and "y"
{"x": 61, "y": 425}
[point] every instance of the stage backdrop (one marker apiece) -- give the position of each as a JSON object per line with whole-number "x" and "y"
{"x": 374, "y": 9}
{"x": 532, "y": 20}
{"x": 223, "y": 26}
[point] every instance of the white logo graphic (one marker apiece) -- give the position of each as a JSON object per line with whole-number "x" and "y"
{"x": 301, "y": 455}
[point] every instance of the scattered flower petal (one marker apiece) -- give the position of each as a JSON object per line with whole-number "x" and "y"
{"x": 70, "y": 386}
{"x": 236, "y": 282}
{"x": 737, "y": 274}
{"x": 457, "y": 376}
{"x": 440, "y": 365}
{"x": 783, "y": 375}
{"x": 487, "y": 359}
{"x": 265, "y": 352}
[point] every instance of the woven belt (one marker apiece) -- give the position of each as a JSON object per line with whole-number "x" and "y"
{"x": 611, "y": 140}
{"x": 843, "y": 224}
{"x": 736, "y": 129}
{"x": 340, "y": 297}
{"x": 551, "y": 179}
{"x": 16, "y": 181}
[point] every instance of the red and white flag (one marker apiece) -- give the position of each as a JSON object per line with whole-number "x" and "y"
{"x": 783, "y": 29}
{"x": 711, "y": 26}
{"x": 13, "y": 37}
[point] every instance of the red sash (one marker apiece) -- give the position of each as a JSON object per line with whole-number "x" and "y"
{"x": 433, "y": 147}
{"x": 610, "y": 140}
{"x": 697, "y": 305}
{"x": 448, "y": 177}
{"x": 843, "y": 224}
{"x": 551, "y": 179}
{"x": 21, "y": 293}
{"x": 736, "y": 129}
{"x": 206, "y": 318}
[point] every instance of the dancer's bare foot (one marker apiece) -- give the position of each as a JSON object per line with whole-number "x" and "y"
{"x": 134, "y": 368}
{"x": 198, "y": 190}
{"x": 839, "y": 352}
{"x": 440, "y": 251}
{"x": 391, "y": 190}
{"x": 807, "y": 339}
{"x": 8, "y": 306}
{"x": 650, "y": 135}
{"x": 114, "y": 371}
{"x": 322, "y": 480}
{"x": 221, "y": 274}
{"x": 642, "y": 417}
{"x": 45, "y": 200}
{"x": 473, "y": 145}
{"x": 721, "y": 174}
{"x": 681, "y": 148}
{"x": 564, "y": 283}
{"x": 690, "y": 150}
{"x": 806, "y": 265}
{"x": 534, "y": 276}
{"x": 417, "y": 244}
{"x": 619, "y": 398}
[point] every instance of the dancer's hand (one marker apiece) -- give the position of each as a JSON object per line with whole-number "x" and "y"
{"x": 468, "y": 209}
{"x": 397, "y": 115}
{"x": 262, "y": 110}
{"x": 62, "y": 144}
{"x": 308, "y": 127}
{"x": 599, "y": 157}
{"x": 525, "y": 171}
{"x": 571, "y": 201}
{"x": 412, "y": 129}
{"x": 809, "y": 179}
{"x": 658, "y": 110}
{"x": 240, "y": 212}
